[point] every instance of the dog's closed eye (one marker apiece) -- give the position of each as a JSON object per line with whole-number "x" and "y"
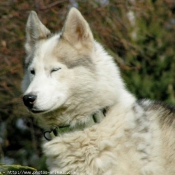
{"x": 55, "y": 69}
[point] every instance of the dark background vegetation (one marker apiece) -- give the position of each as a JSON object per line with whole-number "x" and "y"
{"x": 140, "y": 34}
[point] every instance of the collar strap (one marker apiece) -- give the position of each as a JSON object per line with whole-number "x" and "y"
{"x": 94, "y": 119}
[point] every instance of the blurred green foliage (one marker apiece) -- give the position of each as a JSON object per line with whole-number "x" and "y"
{"x": 140, "y": 35}
{"x": 15, "y": 169}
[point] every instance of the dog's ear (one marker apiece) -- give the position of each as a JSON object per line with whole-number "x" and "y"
{"x": 35, "y": 31}
{"x": 77, "y": 31}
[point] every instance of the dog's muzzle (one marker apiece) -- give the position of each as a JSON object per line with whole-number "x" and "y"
{"x": 29, "y": 100}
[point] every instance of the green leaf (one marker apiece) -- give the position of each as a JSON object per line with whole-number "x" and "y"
{"x": 15, "y": 169}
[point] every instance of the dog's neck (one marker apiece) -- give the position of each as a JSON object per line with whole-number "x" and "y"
{"x": 95, "y": 118}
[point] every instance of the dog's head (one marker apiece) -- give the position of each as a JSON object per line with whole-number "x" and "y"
{"x": 68, "y": 75}
{"x": 54, "y": 62}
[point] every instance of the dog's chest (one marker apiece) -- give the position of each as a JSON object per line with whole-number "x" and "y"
{"x": 93, "y": 151}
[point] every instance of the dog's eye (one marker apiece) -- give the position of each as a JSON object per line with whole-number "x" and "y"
{"x": 55, "y": 69}
{"x": 32, "y": 71}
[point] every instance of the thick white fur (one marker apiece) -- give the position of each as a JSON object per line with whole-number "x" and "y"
{"x": 126, "y": 142}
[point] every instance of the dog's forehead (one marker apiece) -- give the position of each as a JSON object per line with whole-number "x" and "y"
{"x": 45, "y": 48}
{"x": 57, "y": 49}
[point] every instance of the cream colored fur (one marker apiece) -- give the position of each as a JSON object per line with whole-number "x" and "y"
{"x": 129, "y": 141}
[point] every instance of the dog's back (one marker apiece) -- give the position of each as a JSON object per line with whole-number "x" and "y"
{"x": 165, "y": 119}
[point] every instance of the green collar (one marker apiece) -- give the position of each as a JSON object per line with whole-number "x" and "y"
{"x": 95, "y": 118}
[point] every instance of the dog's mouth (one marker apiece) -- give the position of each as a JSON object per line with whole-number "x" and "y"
{"x": 36, "y": 111}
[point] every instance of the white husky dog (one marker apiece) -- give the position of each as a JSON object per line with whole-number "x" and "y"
{"x": 74, "y": 86}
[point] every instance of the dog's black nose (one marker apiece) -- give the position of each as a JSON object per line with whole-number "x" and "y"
{"x": 29, "y": 100}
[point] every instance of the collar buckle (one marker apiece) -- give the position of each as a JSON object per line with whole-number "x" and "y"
{"x": 50, "y": 134}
